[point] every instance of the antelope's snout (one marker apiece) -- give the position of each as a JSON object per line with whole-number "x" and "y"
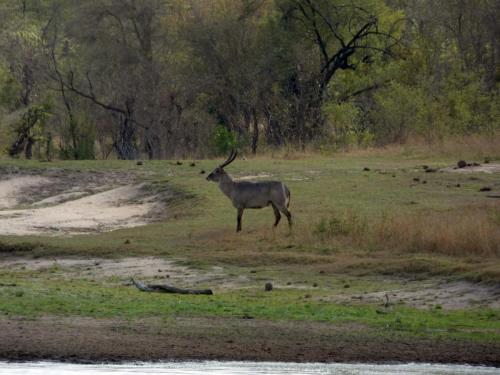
{"x": 211, "y": 177}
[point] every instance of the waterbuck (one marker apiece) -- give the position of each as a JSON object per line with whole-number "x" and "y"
{"x": 246, "y": 194}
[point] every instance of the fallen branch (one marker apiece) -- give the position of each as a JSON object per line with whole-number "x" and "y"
{"x": 168, "y": 289}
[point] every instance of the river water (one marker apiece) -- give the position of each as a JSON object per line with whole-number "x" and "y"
{"x": 239, "y": 368}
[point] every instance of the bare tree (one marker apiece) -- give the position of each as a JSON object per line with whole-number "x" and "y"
{"x": 345, "y": 36}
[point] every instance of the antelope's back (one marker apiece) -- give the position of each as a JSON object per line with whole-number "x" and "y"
{"x": 259, "y": 194}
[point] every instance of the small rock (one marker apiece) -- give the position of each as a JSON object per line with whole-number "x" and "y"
{"x": 159, "y": 270}
{"x": 416, "y": 179}
{"x": 253, "y": 271}
{"x": 461, "y": 164}
{"x": 474, "y": 164}
{"x": 424, "y": 182}
{"x": 178, "y": 162}
{"x": 457, "y": 185}
{"x": 289, "y": 283}
{"x": 193, "y": 164}
{"x": 347, "y": 286}
{"x": 485, "y": 188}
{"x": 322, "y": 271}
{"x": 366, "y": 169}
{"x": 127, "y": 242}
{"x": 425, "y": 167}
{"x": 431, "y": 170}
{"x": 486, "y": 160}
{"x": 315, "y": 285}
{"x": 268, "y": 287}
{"x": 202, "y": 171}
{"x": 139, "y": 162}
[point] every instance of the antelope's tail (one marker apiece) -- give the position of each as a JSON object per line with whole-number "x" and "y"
{"x": 287, "y": 197}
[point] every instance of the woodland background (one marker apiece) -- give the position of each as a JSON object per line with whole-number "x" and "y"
{"x": 159, "y": 79}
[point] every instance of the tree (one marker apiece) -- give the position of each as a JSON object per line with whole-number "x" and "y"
{"x": 117, "y": 70}
{"x": 230, "y": 46}
{"x": 340, "y": 36}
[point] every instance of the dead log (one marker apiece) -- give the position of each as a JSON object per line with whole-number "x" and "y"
{"x": 168, "y": 289}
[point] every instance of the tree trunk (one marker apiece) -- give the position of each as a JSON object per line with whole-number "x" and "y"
{"x": 29, "y": 148}
{"x": 125, "y": 141}
{"x": 152, "y": 145}
{"x": 255, "y": 134}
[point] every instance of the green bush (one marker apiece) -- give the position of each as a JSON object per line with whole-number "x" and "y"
{"x": 224, "y": 140}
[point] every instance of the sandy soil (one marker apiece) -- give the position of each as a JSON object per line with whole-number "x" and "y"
{"x": 484, "y": 168}
{"x": 53, "y": 205}
{"x": 11, "y": 188}
{"x": 431, "y": 294}
{"x": 108, "y": 340}
{"x": 144, "y": 268}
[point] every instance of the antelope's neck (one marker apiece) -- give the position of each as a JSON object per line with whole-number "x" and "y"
{"x": 226, "y": 185}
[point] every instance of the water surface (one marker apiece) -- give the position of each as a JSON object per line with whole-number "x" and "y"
{"x": 240, "y": 368}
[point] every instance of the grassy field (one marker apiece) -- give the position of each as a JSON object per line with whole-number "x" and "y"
{"x": 364, "y": 223}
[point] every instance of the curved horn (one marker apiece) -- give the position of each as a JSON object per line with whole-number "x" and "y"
{"x": 230, "y": 159}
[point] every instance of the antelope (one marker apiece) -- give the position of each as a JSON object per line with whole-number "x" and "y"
{"x": 246, "y": 194}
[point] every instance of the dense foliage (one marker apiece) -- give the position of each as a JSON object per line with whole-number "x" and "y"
{"x": 163, "y": 78}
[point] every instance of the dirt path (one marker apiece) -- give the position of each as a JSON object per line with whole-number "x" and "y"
{"x": 85, "y": 339}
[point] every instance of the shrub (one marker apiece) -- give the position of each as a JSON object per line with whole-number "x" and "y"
{"x": 224, "y": 140}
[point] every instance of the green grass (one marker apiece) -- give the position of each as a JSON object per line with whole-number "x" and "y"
{"x": 337, "y": 207}
{"x": 50, "y": 294}
{"x": 201, "y": 229}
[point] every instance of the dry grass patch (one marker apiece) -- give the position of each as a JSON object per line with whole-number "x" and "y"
{"x": 456, "y": 241}
{"x": 472, "y": 231}
{"x": 473, "y": 146}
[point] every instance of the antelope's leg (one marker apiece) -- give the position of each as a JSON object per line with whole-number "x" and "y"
{"x": 288, "y": 215}
{"x": 277, "y": 214}
{"x": 240, "y": 214}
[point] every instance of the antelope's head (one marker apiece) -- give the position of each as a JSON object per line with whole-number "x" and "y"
{"x": 219, "y": 172}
